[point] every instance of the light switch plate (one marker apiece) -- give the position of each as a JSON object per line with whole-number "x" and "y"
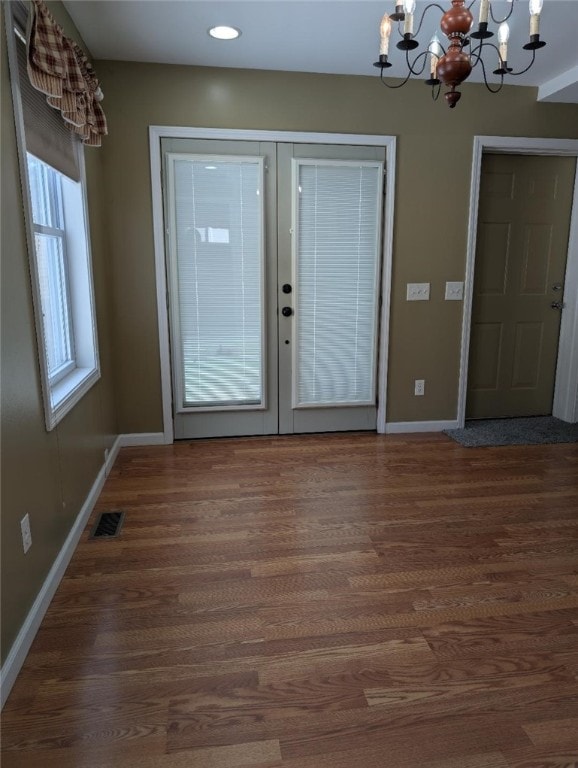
{"x": 417, "y": 292}
{"x": 454, "y": 291}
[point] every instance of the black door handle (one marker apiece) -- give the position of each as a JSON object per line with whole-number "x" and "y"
{"x": 286, "y": 288}
{"x": 286, "y": 311}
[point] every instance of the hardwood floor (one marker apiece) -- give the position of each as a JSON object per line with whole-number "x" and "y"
{"x": 315, "y": 602}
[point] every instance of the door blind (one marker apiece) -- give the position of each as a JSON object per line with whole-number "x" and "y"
{"x": 338, "y": 216}
{"x": 218, "y": 234}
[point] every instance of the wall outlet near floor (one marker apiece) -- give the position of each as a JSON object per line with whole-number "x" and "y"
{"x": 419, "y": 387}
{"x": 26, "y": 534}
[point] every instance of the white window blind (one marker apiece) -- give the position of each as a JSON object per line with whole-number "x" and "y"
{"x": 338, "y": 215}
{"x": 218, "y": 234}
{"x": 53, "y": 291}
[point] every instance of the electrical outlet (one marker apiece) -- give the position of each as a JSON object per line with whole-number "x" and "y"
{"x": 417, "y": 292}
{"x": 419, "y": 387}
{"x": 26, "y": 534}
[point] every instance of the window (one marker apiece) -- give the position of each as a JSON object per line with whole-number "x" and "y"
{"x": 52, "y": 265}
{"x": 53, "y": 184}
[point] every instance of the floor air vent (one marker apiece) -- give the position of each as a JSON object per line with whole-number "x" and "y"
{"x": 107, "y": 526}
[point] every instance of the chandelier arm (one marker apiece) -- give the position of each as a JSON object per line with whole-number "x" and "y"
{"x": 393, "y": 87}
{"x": 501, "y": 21}
{"x": 521, "y": 72}
{"x": 488, "y": 86}
{"x": 479, "y": 60}
{"x": 477, "y": 51}
{"x": 435, "y": 91}
{"x": 411, "y": 66}
{"x": 425, "y": 10}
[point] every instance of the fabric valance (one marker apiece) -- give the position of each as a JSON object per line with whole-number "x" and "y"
{"x": 59, "y": 68}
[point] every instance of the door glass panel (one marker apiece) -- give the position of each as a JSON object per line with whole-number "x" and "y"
{"x": 338, "y": 213}
{"x": 218, "y": 233}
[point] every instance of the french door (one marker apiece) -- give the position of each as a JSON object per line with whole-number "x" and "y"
{"x": 273, "y": 263}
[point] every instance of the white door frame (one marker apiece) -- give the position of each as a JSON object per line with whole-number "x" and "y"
{"x": 158, "y": 132}
{"x": 565, "y": 404}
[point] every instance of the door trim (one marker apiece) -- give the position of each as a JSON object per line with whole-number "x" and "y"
{"x": 565, "y": 405}
{"x": 158, "y": 132}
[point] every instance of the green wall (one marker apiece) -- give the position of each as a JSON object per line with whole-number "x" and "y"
{"x": 431, "y": 205}
{"x": 47, "y": 474}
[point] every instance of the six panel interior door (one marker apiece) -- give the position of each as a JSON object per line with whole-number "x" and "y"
{"x": 523, "y": 229}
{"x": 274, "y": 264}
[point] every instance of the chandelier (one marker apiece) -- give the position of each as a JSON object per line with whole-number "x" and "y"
{"x": 452, "y": 65}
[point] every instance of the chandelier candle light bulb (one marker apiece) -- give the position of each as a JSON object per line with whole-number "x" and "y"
{"x": 435, "y": 50}
{"x": 484, "y": 11}
{"x": 503, "y": 37}
{"x": 409, "y": 10}
{"x": 385, "y": 32}
{"x": 535, "y": 10}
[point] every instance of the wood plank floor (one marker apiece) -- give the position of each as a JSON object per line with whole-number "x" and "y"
{"x": 315, "y": 602}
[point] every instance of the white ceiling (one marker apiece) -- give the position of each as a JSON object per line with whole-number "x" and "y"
{"x": 331, "y": 36}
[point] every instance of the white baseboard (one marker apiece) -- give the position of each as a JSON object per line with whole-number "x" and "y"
{"x": 25, "y": 637}
{"x": 111, "y": 456}
{"x": 399, "y": 427}
{"x": 142, "y": 438}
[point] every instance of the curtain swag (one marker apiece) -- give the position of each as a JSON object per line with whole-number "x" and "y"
{"x": 58, "y": 67}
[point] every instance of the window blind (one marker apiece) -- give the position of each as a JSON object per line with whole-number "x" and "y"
{"x": 53, "y": 289}
{"x": 47, "y": 136}
{"x": 338, "y": 240}
{"x": 219, "y": 270}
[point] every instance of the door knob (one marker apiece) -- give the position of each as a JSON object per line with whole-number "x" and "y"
{"x": 557, "y": 305}
{"x": 286, "y": 311}
{"x": 287, "y": 288}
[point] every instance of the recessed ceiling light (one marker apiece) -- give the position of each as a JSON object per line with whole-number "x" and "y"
{"x": 224, "y": 33}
